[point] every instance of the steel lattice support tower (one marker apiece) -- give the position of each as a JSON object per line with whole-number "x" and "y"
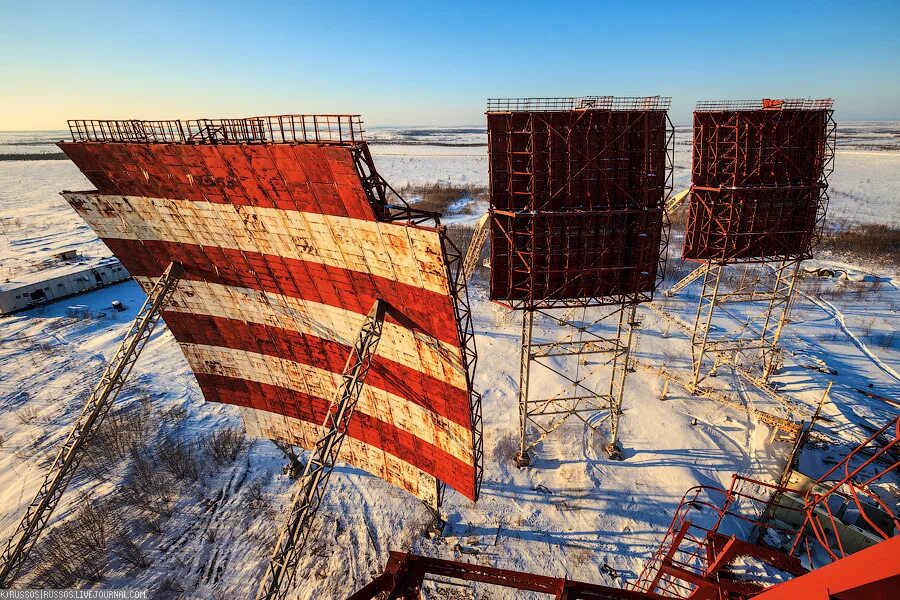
{"x": 760, "y": 332}
{"x": 311, "y": 488}
{"x": 758, "y": 196}
{"x": 473, "y": 253}
{"x": 579, "y": 188}
{"x": 95, "y": 410}
{"x": 585, "y": 394}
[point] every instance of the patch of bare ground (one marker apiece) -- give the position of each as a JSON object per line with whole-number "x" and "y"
{"x": 876, "y": 243}
{"x": 439, "y": 197}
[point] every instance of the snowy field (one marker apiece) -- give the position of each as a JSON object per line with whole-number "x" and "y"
{"x": 208, "y": 533}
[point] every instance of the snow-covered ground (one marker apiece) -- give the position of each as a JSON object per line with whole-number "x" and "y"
{"x": 566, "y": 515}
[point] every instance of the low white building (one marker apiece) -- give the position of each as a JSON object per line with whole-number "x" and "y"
{"x": 55, "y": 283}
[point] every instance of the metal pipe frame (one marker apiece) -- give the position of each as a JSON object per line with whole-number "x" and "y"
{"x": 85, "y": 428}
{"x": 504, "y": 105}
{"x": 871, "y": 461}
{"x": 693, "y": 551}
{"x": 540, "y": 417}
{"x": 279, "y": 576}
{"x": 789, "y": 430}
{"x": 388, "y": 204}
{"x": 304, "y": 129}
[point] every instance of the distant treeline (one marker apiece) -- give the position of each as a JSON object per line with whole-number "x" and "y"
{"x": 35, "y": 156}
{"x": 409, "y": 143}
{"x": 878, "y": 243}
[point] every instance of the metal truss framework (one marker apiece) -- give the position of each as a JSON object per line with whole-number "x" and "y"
{"x": 406, "y": 574}
{"x": 473, "y": 253}
{"x": 383, "y": 198}
{"x": 759, "y": 333}
{"x": 320, "y": 129}
{"x": 784, "y": 429}
{"x": 686, "y": 280}
{"x": 759, "y": 181}
{"x": 699, "y": 545}
{"x": 578, "y": 194}
{"x": 848, "y": 485}
{"x": 580, "y": 398}
{"x": 579, "y": 103}
{"x": 781, "y": 525}
{"x": 466, "y": 330}
{"x": 759, "y": 192}
{"x": 95, "y": 410}
{"x": 311, "y": 488}
{"x": 343, "y": 130}
{"x": 872, "y": 571}
{"x": 577, "y": 201}
{"x": 676, "y": 200}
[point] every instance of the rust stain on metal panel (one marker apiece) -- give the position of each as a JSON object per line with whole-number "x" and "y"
{"x": 759, "y": 180}
{"x": 314, "y": 381}
{"x": 577, "y": 202}
{"x": 283, "y": 257}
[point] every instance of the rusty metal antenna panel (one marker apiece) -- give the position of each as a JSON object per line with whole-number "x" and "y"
{"x": 288, "y": 236}
{"x": 759, "y": 192}
{"x": 577, "y": 194}
{"x": 578, "y": 188}
{"x": 759, "y": 179}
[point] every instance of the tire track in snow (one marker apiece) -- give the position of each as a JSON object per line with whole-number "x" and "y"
{"x": 838, "y": 317}
{"x": 721, "y": 440}
{"x": 755, "y": 466}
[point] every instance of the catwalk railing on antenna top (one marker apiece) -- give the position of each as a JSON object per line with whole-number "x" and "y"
{"x": 275, "y": 129}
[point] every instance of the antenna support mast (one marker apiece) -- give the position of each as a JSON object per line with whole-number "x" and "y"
{"x": 63, "y": 468}
{"x": 282, "y": 568}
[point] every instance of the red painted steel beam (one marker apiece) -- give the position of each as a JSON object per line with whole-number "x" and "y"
{"x": 396, "y": 568}
{"x": 727, "y": 549}
{"x": 404, "y": 574}
{"x": 870, "y": 574}
{"x": 673, "y": 547}
{"x": 703, "y": 587}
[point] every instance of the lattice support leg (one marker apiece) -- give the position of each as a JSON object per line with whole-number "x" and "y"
{"x": 311, "y": 488}
{"x": 777, "y": 315}
{"x": 687, "y": 280}
{"x": 473, "y": 253}
{"x": 712, "y": 278}
{"x": 765, "y": 326}
{"x": 95, "y": 410}
{"x": 620, "y": 367}
{"x": 568, "y": 360}
{"x": 523, "y": 458}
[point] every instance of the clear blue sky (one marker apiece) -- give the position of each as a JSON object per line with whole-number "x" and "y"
{"x": 433, "y": 63}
